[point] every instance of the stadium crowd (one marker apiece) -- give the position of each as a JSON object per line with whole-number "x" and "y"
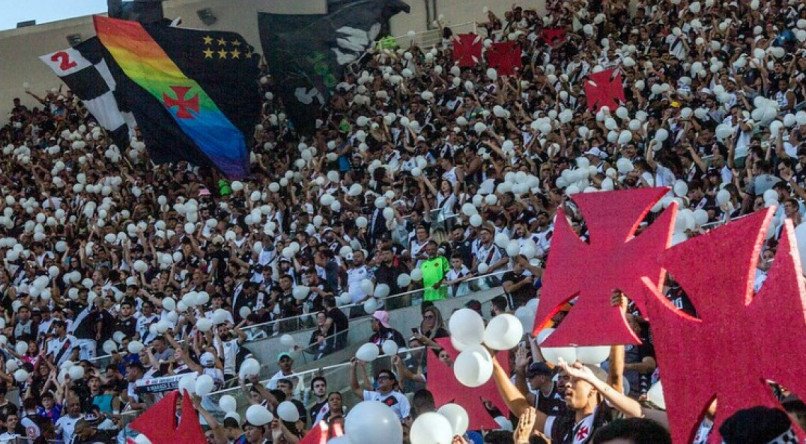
{"x": 420, "y": 175}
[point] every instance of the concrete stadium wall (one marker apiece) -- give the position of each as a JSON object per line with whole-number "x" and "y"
{"x": 20, "y": 48}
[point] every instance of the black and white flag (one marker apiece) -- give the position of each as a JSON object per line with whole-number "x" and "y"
{"x": 307, "y": 53}
{"x": 85, "y": 71}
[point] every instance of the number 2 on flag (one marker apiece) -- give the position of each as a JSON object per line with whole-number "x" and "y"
{"x": 64, "y": 59}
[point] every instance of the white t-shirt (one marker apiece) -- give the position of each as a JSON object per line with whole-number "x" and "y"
{"x": 67, "y": 426}
{"x": 395, "y": 400}
{"x": 354, "y": 277}
{"x": 56, "y": 345}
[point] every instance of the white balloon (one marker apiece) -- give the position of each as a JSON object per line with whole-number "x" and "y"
{"x": 287, "y": 340}
{"x": 503, "y": 332}
{"x": 513, "y": 248}
{"x": 258, "y": 415}
{"x": 416, "y": 275}
{"x": 680, "y": 188}
{"x": 370, "y": 306}
{"x": 389, "y": 347}
{"x": 526, "y": 318}
{"x": 456, "y": 416}
{"x": 553, "y": 354}
{"x": 300, "y": 292}
{"x": 473, "y": 367}
{"x": 367, "y": 352}
{"x": 228, "y": 403}
{"x": 135, "y": 347}
{"x": 287, "y": 411}
{"x": 372, "y": 422}
{"x": 700, "y": 217}
{"x": 21, "y": 375}
{"x": 403, "y": 280}
{"x": 204, "y": 325}
{"x": 76, "y": 372}
{"x": 593, "y": 355}
{"x": 381, "y": 291}
{"x": 467, "y": 326}
{"x": 431, "y": 428}
{"x": 655, "y": 395}
{"x": 21, "y": 347}
{"x": 110, "y": 346}
{"x": 187, "y": 383}
{"x": 204, "y": 385}
{"x": 249, "y": 367}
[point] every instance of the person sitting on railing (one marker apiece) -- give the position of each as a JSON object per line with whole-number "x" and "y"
{"x": 383, "y": 331}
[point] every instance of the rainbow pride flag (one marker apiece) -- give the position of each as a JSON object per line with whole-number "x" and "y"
{"x": 194, "y": 93}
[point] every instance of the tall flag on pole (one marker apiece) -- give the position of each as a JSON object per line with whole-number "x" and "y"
{"x": 307, "y": 54}
{"x": 193, "y": 92}
{"x": 85, "y": 71}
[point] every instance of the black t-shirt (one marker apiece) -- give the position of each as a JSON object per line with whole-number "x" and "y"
{"x": 223, "y": 258}
{"x": 340, "y": 321}
{"x": 678, "y": 298}
{"x": 127, "y": 326}
{"x": 522, "y": 295}
{"x": 314, "y": 411}
{"x": 553, "y": 404}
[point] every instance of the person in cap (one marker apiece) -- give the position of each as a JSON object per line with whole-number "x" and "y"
{"x": 285, "y": 363}
{"x": 386, "y": 391}
{"x": 485, "y": 251}
{"x": 541, "y": 391}
{"x": 591, "y": 395}
{"x": 383, "y": 331}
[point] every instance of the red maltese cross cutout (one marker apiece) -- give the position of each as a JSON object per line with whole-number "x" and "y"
{"x": 740, "y": 341}
{"x": 467, "y": 50}
{"x": 158, "y": 423}
{"x": 442, "y": 383}
{"x": 505, "y": 57}
{"x": 615, "y": 258}
{"x": 603, "y": 88}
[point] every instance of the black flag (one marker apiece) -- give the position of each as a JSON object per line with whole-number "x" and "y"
{"x": 85, "y": 70}
{"x": 307, "y": 54}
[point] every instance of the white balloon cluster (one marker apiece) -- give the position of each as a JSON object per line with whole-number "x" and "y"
{"x": 586, "y": 355}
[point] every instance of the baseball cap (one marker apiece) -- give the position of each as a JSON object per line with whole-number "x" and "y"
{"x": 382, "y": 317}
{"x": 595, "y": 151}
{"x": 282, "y": 355}
{"x": 538, "y": 368}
